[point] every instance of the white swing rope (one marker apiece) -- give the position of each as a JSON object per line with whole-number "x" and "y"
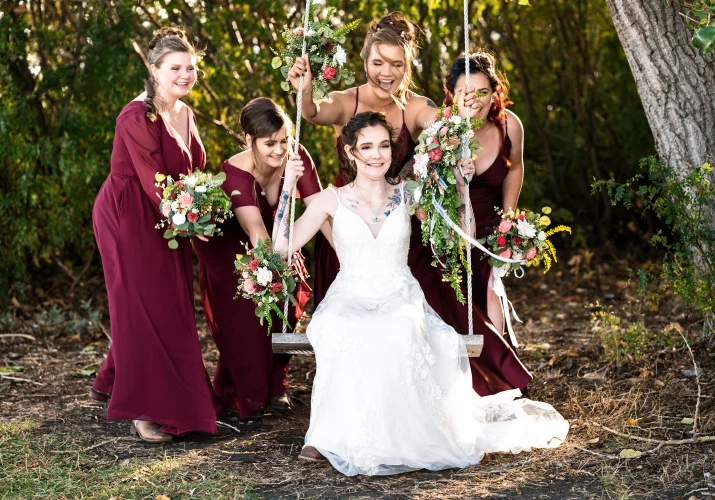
{"x": 495, "y": 282}
{"x": 299, "y": 105}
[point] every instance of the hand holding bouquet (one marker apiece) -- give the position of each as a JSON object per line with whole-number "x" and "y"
{"x": 523, "y": 235}
{"x": 193, "y": 205}
{"x": 324, "y": 52}
{"x": 266, "y": 279}
{"x": 439, "y": 151}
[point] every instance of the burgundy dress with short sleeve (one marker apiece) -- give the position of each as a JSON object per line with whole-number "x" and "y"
{"x": 154, "y": 370}
{"x": 248, "y": 374}
{"x": 498, "y": 368}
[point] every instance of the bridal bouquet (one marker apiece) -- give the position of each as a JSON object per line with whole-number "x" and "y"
{"x": 266, "y": 279}
{"x": 192, "y": 205}
{"x": 439, "y": 147}
{"x": 523, "y": 235}
{"x": 324, "y": 51}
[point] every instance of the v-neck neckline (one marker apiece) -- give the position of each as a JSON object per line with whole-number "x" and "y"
{"x": 186, "y": 145}
{"x": 367, "y": 226}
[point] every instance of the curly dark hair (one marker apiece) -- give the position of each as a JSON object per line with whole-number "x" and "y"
{"x": 349, "y": 137}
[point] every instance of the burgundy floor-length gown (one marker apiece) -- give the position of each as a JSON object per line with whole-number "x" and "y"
{"x": 498, "y": 368}
{"x": 154, "y": 370}
{"x": 248, "y": 374}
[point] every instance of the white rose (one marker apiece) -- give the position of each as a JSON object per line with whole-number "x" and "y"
{"x": 417, "y": 194}
{"x": 178, "y": 218}
{"x": 264, "y": 276}
{"x": 174, "y": 205}
{"x": 340, "y": 57}
{"x": 200, "y": 189}
{"x": 456, "y": 119}
{"x": 525, "y": 229}
{"x": 190, "y": 181}
{"x": 541, "y": 236}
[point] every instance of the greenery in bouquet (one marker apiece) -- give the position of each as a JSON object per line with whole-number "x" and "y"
{"x": 439, "y": 147}
{"x": 523, "y": 235}
{"x": 192, "y": 205}
{"x": 324, "y": 49}
{"x": 266, "y": 279}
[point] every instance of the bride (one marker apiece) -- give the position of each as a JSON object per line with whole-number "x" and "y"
{"x": 393, "y": 391}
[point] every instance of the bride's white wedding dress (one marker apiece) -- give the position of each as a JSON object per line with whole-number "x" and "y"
{"x": 393, "y": 389}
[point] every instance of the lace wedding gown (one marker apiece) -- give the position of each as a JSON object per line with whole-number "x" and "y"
{"x": 393, "y": 391}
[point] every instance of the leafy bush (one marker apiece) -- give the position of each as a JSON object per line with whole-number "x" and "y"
{"x": 685, "y": 205}
{"x": 627, "y": 341}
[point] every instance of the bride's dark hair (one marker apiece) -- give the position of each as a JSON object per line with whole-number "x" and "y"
{"x": 350, "y": 135}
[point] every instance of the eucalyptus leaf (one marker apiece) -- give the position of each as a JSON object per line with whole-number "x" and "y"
{"x": 173, "y": 244}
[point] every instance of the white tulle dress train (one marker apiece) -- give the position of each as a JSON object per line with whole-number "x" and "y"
{"x": 392, "y": 391}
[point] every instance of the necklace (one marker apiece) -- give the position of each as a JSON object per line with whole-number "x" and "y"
{"x": 263, "y": 189}
{"x": 375, "y": 219}
{"x": 255, "y": 166}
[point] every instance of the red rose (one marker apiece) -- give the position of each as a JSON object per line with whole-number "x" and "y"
{"x": 521, "y": 217}
{"x": 329, "y": 73}
{"x": 277, "y": 287}
{"x": 435, "y": 154}
{"x": 517, "y": 241}
{"x": 254, "y": 265}
{"x": 447, "y": 113}
{"x": 192, "y": 216}
{"x": 501, "y": 241}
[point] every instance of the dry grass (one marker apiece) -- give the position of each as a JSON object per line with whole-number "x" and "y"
{"x": 647, "y": 397}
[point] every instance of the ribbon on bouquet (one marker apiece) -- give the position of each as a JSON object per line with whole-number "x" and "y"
{"x": 495, "y": 278}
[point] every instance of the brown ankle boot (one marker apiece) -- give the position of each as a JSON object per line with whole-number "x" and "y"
{"x": 149, "y": 432}
{"x": 311, "y": 454}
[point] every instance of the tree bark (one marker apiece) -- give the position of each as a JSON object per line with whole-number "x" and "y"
{"x": 674, "y": 79}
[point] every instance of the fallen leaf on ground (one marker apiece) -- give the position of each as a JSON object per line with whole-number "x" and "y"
{"x": 628, "y": 453}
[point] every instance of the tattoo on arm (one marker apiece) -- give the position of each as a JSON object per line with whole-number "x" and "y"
{"x": 280, "y": 212}
{"x": 394, "y": 201}
{"x": 431, "y": 103}
{"x": 315, "y": 111}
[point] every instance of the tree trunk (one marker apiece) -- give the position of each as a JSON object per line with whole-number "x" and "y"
{"x": 673, "y": 78}
{"x": 674, "y": 81}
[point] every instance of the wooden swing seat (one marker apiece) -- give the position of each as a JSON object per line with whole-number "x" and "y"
{"x": 298, "y": 343}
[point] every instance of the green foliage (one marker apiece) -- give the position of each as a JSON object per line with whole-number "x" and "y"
{"x": 625, "y": 340}
{"x": 700, "y": 16}
{"x": 684, "y": 204}
{"x": 70, "y": 67}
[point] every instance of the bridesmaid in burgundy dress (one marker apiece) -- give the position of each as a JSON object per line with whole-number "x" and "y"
{"x": 154, "y": 370}
{"x": 248, "y": 375}
{"x": 388, "y": 52}
{"x": 497, "y": 183}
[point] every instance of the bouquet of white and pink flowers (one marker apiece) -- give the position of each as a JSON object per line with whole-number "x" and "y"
{"x": 523, "y": 235}
{"x": 439, "y": 148}
{"x": 324, "y": 51}
{"x": 193, "y": 205}
{"x": 266, "y": 279}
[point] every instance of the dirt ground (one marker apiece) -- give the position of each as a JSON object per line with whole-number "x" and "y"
{"x": 646, "y": 397}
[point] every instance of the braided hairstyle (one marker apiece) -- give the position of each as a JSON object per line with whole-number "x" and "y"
{"x": 483, "y": 62}
{"x": 165, "y": 41}
{"x": 394, "y": 29}
{"x": 350, "y": 135}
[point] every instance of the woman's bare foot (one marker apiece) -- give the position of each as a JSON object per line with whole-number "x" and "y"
{"x": 149, "y": 432}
